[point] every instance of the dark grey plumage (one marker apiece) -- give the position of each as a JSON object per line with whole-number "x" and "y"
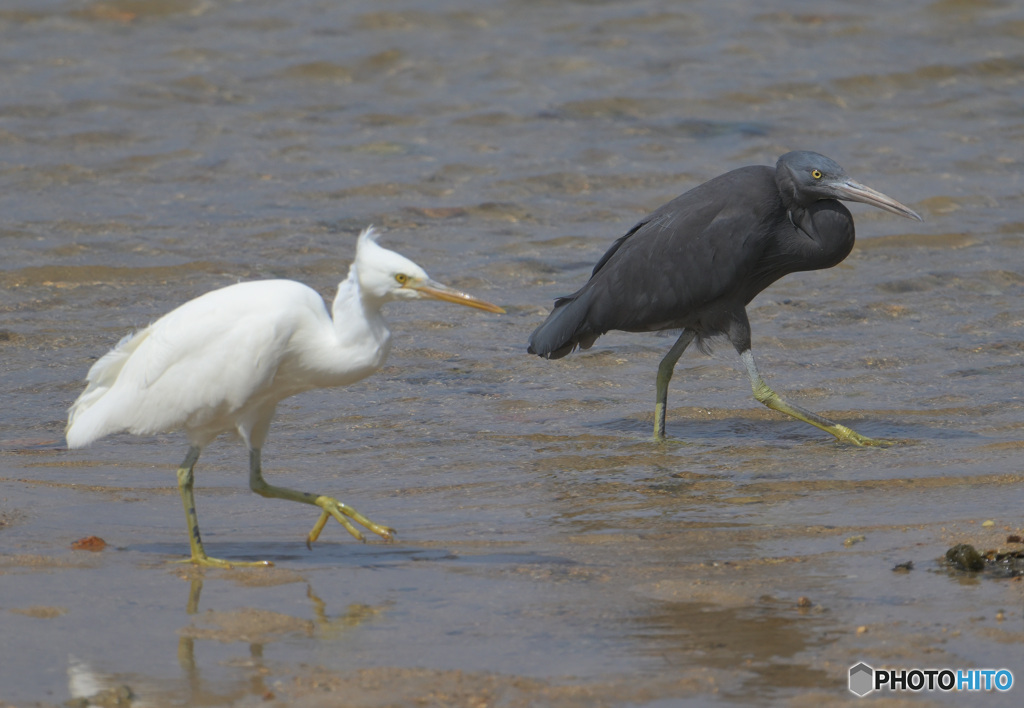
{"x": 696, "y": 262}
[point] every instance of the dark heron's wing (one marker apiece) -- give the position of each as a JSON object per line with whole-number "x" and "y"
{"x": 684, "y": 265}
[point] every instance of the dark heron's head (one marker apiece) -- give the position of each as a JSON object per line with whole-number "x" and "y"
{"x": 805, "y": 177}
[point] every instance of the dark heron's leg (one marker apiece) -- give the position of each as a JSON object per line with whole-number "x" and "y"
{"x": 665, "y": 370}
{"x": 185, "y": 484}
{"x": 329, "y": 505}
{"x": 767, "y": 396}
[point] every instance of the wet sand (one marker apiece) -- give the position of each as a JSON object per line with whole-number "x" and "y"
{"x": 548, "y": 553}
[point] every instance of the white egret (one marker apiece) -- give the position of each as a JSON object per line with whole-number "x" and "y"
{"x": 223, "y": 361}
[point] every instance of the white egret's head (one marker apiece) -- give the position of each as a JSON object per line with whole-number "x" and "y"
{"x": 385, "y": 275}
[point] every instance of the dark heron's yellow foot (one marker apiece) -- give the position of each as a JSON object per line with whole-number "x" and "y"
{"x": 666, "y": 440}
{"x": 342, "y": 513}
{"x": 863, "y": 440}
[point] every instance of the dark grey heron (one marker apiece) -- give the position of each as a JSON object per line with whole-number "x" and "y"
{"x": 696, "y": 262}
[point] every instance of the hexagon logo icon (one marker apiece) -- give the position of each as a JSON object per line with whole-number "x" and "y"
{"x": 862, "y": 679}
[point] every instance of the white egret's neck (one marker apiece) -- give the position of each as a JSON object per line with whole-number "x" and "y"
{"x": 337, "y": 350}
{"x": 357, "y": 314}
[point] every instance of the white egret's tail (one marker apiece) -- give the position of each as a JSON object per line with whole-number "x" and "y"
{"x": 90, "y": 417}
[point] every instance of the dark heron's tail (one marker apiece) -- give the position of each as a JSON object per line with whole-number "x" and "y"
{"x": 566, "y": 328}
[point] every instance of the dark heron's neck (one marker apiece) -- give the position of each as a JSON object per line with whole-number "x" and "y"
{"x": 824, "y": 234}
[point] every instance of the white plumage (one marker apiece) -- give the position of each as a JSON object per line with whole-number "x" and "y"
{"x": 223, "y": 361}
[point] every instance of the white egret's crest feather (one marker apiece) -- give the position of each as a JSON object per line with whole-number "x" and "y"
{"x": 370, "y": 233}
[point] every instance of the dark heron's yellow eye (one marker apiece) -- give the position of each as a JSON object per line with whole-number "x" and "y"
{"x": 402, "y": 278}
{"x": 816, "y": 174}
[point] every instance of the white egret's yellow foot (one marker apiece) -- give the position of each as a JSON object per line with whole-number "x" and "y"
{"x": 206, "y": 561}
{"x": 343, "y": 512}
{"x": 195, "y": 542}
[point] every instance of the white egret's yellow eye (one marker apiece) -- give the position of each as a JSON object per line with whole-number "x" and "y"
{"x": 816, "y": 174}
{"x": 401, "y": 278}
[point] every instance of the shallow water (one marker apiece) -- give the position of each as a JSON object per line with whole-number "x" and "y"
{"x": 547, "y": 553}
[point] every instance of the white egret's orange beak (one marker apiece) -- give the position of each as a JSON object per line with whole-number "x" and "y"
{"x": 437, "y": 291}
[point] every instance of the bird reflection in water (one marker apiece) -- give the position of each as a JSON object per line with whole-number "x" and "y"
{"x": 91, "y": 687}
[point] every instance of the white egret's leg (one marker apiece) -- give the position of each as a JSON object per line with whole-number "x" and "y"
{"x": 764, "y": 394}
{"x": 330, "y": 505}
{"x": 665, "y": 370}
{"x": 185, "y": 483}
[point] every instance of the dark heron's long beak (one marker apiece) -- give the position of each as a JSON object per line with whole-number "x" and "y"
{"x": 856, "y": 192}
